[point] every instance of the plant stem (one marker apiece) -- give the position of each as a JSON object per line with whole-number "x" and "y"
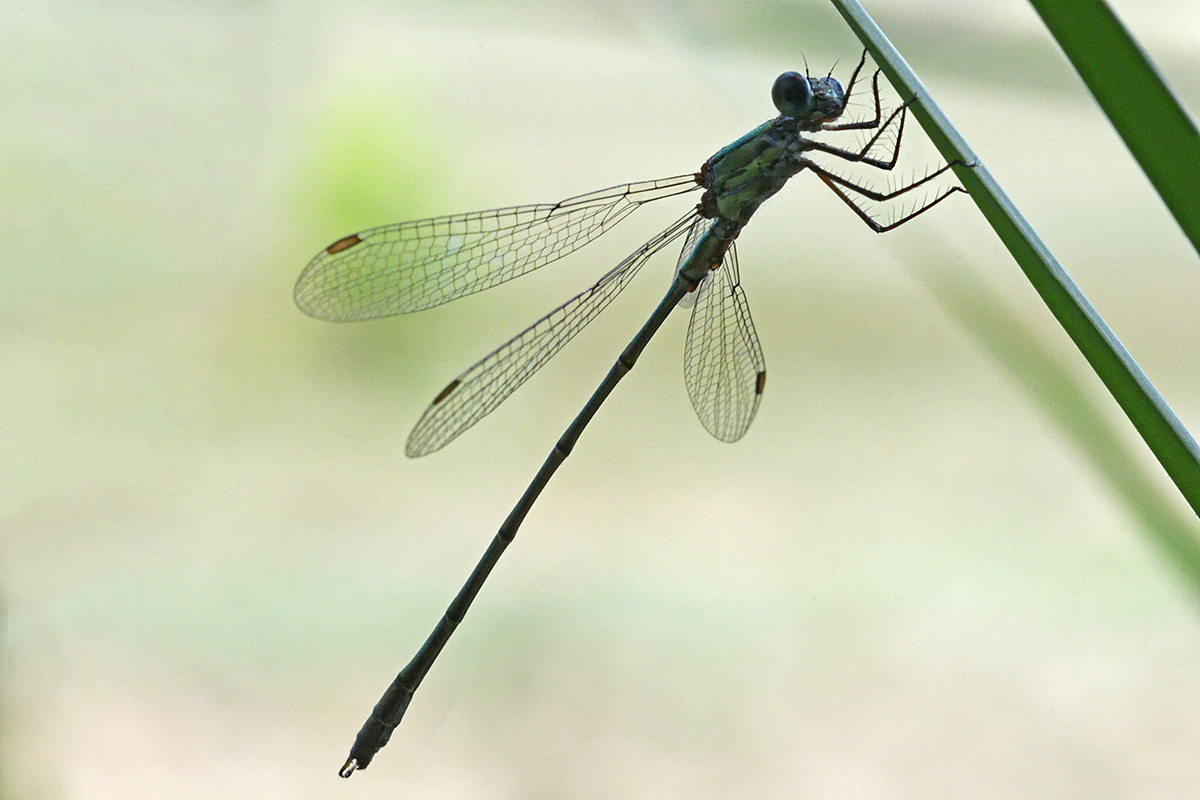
{"x": 1166, "y": 436}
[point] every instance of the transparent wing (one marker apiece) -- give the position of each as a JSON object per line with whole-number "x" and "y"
{"x": 410, "y": 266}
{"x": 723, "y": 364}
{"x": 475, "y": 393}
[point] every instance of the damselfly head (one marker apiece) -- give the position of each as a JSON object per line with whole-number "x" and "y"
{"x": 808, "y": 100}
{"x": 829, "y": 99}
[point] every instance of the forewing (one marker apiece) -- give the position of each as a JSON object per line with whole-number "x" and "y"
{"x": 475, "y": 393}
{"x": 723, "y": 364}
{"x": 411, "y": 266}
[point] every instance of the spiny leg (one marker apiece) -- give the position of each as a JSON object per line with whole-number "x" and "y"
{"x": 868, "y": 192}
{"x": 861, "y": 157}
{"x": 854, "y": 78}
{"x": 835, "y": 182}
{"x": 865, "y": 124}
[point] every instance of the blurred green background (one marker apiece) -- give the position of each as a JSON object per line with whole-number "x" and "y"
{"x": 909, "y": 579}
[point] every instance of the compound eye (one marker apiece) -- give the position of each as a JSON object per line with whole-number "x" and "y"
{"x": 792, "y": 94}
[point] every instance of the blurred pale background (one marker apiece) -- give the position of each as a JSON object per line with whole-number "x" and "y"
{"x": 906, "y": 581}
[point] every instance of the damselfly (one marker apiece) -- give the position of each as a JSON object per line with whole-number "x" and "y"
{"x": 412, "y": 266}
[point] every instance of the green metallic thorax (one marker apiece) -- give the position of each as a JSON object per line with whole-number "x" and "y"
{"x": 740, "y": 176}
{"x": 736, "y": 181}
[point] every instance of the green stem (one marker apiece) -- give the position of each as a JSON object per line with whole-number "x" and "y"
{"x": 1137, "y": 102}
{"x": 1167, "y": 438}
